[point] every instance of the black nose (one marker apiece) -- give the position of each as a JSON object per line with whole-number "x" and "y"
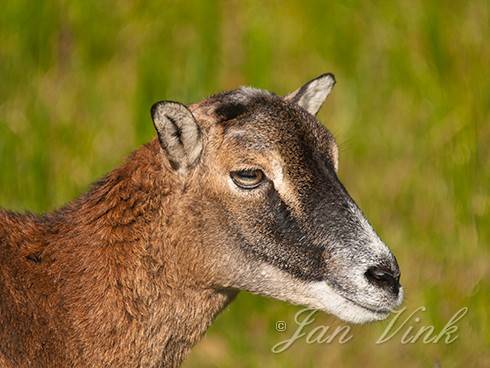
{"x": 384, "y": 278}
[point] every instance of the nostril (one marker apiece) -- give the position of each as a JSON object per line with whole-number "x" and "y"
{"x": 384, "y": 278}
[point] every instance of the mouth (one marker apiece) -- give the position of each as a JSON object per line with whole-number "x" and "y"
{"x": 331, "y": 300}
{"x": 382, "y": 312}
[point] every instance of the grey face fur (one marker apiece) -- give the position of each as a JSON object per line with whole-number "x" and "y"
{"x": 298, "y": 235}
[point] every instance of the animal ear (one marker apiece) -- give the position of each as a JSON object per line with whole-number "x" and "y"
{"x": 312, "y": 95}
{"x": 178, "y": 133}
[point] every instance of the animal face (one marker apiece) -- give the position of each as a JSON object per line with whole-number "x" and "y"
{"x": 274, "y": 216}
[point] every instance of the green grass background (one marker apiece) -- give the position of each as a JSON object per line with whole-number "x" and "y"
{"x": 411, "y": 111}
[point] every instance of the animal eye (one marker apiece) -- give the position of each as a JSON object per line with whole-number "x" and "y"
{"x": 247, "y": 179}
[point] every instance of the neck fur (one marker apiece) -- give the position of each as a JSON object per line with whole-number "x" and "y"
{"x": 128, "y": 293}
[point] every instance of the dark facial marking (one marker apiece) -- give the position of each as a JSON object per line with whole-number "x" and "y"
{"x": 291, "y": 250}
{"x": 231, "y": 110}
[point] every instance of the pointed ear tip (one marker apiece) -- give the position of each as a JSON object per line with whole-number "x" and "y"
{"x": 328, "y": 76}
{"x": 154, "y": 108}
{"x": 170, "y": 105}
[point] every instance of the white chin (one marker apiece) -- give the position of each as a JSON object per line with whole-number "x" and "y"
{"x": 317, "y": 295}
{"x": 325, "y": 298}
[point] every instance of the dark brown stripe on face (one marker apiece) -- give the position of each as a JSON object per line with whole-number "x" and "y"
{"x": 231, "y": 110}
{"x": 291, "y": 250}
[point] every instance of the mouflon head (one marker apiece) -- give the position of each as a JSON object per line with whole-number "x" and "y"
{"x": 272, "y": 217}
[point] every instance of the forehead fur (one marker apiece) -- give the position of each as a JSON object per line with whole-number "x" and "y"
{"x": 231, "y": 104}
{"x": 264, "y": 116}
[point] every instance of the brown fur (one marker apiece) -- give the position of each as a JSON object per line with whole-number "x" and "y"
{"x": 92, "y": 283}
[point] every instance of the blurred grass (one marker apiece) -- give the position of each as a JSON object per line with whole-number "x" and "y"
{"x": 411, "y": 111}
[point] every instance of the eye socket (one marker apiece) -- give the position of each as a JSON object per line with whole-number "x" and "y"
{"x": 247, "y": 179}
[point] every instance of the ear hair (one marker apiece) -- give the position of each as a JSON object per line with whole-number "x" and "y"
{"x": 312, "y": 95}
{"x": 178, "y": 133}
